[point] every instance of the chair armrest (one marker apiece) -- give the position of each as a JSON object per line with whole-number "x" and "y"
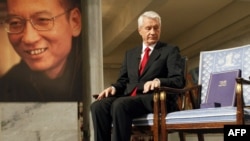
{"x": 180, "y": 91}
{"x": 189, "y": 94}
{"x": 242, "y": 80}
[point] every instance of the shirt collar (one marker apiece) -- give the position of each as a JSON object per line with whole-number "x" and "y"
{"x": 151, "y": 47}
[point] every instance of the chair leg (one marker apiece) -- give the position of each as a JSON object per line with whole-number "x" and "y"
{"x": 151, "y": 138}
{"x": 200, "y": 137}
{"x": 134, "y": 138}
{"x": 141, "y": 138}
{"x": 182, "y": 136}
{"x": 164, "y": 135}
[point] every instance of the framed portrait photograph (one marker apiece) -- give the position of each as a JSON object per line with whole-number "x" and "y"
{"x": 41, "y": 51}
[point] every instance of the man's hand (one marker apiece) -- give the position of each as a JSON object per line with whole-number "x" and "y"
{"x": 106, "y": 93}
{"x": 151, "y": 85}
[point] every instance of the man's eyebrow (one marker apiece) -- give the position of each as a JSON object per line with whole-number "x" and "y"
{"x": 42, "y": 12}
{"x": 11, "y": 15}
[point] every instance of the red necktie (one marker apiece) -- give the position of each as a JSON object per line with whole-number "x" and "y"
{"x": 142, "y": 66}
{"x": 144, "y": 60}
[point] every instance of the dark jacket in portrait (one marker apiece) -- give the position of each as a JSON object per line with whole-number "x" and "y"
{"x": 22, "y": 84}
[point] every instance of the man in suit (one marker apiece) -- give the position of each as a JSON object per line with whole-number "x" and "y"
{"x": 132, "y": 94}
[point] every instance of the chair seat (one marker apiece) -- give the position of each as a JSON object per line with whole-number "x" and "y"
{"x": 144, "y": 120}
{"x": 227, "y": 114}
{"x": 219, "y": 114}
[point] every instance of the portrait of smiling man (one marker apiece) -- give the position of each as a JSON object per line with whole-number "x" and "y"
{"x": 45, "y": 34}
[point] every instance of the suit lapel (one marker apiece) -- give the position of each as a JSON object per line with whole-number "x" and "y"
{"x": 135, "y": 61}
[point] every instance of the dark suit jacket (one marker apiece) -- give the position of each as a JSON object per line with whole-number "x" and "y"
{"x": 164, "y": 63}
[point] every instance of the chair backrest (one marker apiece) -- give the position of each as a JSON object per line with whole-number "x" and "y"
{"x": 192, "y": 102}
{"x": 225, "y": 60}
{"x": 184, "y": 60}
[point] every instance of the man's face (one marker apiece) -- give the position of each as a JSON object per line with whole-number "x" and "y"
{"x": 44, "y": 51}
{"x": 150, "y": 31}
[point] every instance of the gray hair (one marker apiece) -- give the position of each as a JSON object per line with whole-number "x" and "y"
{"x": 149, "y": 14}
